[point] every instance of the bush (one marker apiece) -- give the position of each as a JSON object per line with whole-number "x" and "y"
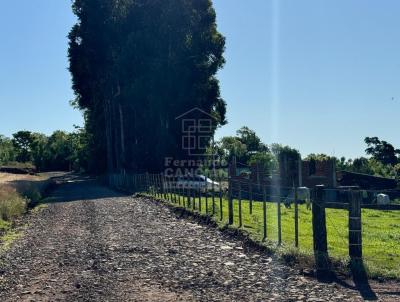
{"x": 20, "y": 165}
{"x": 12, "y": 205}
{"x": 32, "y": 195}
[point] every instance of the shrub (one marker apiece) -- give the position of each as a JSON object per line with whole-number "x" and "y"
{"x": 32, "y": 194}
{"x": 12, "y": 205}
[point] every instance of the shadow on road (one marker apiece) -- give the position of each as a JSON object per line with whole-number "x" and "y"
{"x": 360, "y": 283}
{"x": 360, "y": 279}
{"x": 79, "y": 187}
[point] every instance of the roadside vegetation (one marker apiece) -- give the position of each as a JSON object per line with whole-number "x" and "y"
{"x": 12, "y": 206}
{"x": 22, "y": 157}
{"x": 18, "y": 194}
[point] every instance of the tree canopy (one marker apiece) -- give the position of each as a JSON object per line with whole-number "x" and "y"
{"x": 133, "y": 76}
{"x": 382, "y": 151}
{"x": 61, "y": 151}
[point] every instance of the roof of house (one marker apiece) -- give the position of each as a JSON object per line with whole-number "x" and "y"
{"x": 366, "y": 181}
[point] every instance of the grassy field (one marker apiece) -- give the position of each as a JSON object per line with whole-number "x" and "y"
{"x": 381, "y": 232}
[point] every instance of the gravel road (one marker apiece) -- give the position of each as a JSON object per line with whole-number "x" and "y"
{"x": 98, "y": 245}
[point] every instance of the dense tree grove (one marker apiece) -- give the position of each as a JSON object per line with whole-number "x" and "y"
{"x": 60, "y": 151}
{"x": 133, "y": 76}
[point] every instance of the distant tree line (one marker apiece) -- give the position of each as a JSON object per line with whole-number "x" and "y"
{"x": 61, "y": 151}
{"x": 247, "y": 148}
{"x": 136, "y": 66}
{"x": 70, "y": 151}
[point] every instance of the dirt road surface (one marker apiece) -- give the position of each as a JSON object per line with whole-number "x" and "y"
{"x": 94, "y": 244}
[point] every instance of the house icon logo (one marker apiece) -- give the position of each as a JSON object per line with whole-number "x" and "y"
{"x": 197, "y": 130}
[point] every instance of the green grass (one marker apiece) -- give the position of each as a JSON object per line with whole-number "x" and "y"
{"x": 5, "y": 226}
{"x": 380, "y": 235}
{"x": 39, "y": 207}
{"x": 8, "y": 238}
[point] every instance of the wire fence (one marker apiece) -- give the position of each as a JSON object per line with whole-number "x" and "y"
{"x": 328, "y": 223}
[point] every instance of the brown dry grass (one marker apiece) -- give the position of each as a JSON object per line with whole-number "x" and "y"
{"x": 17, "y": 191}
{"x": 27, "y": 185}
{"x": 12, "y": 204}
{"x": 7, "y": 178}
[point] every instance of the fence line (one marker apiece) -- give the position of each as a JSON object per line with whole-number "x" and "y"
{"x": 262, "y": 199}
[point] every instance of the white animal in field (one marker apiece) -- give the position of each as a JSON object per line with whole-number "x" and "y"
{"x": 382, "y": 199}
{"x": 303, "y": 194}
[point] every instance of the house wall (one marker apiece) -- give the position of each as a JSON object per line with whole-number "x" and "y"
{"x": 323, "y": 173}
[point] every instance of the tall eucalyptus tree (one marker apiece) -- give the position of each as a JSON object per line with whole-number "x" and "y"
{"x": 138, "y": 64}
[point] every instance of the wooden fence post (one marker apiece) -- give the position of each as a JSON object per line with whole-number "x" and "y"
{"x": 200, "y": 203}
{"x": 156, "y": 185}
{"x": 206, "y": 196}
{"x": 166, "y": 185}
{"x": 221, "y": 213}
{"x": 188, "y": 194}
{"x": 181, "y": 196}
{"x": 163, "y": 187}
{"x": 240, "y": 205}
{"x": 319, "y": 234}
{"x": 250, "y": 197}
{"x": 279, "y": 210}
{"x": 177, "y": 192}
{"x": 213, "y": 193}
{"x": 230, "y": 202}
{"x": 169, "y": 193}
{"x": 355, "y": 233}
{"x": 169, "y": 189}
{"x": 148, "y": 183}
{"x": 193, "y": 193}
{"x": 173, "y": 185}
{"x": 264, "y": 213}
{"x": 296, "y": 219}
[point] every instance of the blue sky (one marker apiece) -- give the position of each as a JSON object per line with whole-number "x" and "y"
{"x": 35, "y": 83}
{"x": 316, "y": 75}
